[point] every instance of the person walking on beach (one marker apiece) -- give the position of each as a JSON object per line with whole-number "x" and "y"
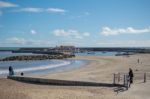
{"x": 138, "y": 61}
{"x": 130, "y": 76}
{"x": 11, "y": 71}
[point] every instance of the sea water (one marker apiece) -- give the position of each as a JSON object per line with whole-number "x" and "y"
{"x": 97, "y": 53}
{"x": 4, "y": 54}
{"x": 33, "y": 67}
{"x": 39, "y": 66}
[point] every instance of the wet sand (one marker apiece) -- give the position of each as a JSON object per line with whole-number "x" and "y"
{"x": 100, "y": 69}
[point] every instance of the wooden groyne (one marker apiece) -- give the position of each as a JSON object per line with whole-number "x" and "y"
{"x": 61, "y": 82}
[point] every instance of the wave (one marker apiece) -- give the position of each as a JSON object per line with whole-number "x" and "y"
{"x": 43, "y": 67}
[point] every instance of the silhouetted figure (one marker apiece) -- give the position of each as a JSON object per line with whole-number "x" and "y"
{"x": 130, "y": 76}
{"x": 22, "y": 73}
{"x": 11, "y": 71}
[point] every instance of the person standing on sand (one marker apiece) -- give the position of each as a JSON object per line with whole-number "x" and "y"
{"x": 130, "y": 76}
{"x": 11, "y": 71}
{"x": 138, "y": 60}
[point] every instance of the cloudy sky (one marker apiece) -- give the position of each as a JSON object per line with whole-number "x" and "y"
{"x": 83, "y": 23}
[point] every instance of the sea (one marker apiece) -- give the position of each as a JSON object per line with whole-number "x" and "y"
{"x": 42, "y": 67}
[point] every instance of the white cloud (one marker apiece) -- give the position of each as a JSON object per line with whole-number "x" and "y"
{"x": 86, "y": 34}
{"x": 129, "y": 30}
{"x": 33, "y": 32}
{"x": 69, "y": 43}
{"x": 16, "y": 40}
{"x": 22, "y": 41}
{"x": 70, "y": 33}
{"x": 38, "y": 42}
{"x": 30, "y": 9}
{"x": 7, "y": 4}
{"x": 128, "y": 43}
{"x": 38, "y": 10}
{"x": 56, "y": 10}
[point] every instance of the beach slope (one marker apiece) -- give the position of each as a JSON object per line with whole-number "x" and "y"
{"x": 99, "y": 69}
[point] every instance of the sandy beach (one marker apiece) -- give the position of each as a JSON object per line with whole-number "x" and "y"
{"x": 99, "y": 69}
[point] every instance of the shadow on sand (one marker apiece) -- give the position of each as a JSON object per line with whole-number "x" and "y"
{"x": 120, "y": 89}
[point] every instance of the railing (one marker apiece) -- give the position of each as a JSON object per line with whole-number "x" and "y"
{"x": 122, "y": 78}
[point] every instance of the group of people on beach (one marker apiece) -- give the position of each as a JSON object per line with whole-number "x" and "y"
{"x": 11, "y": 71}
{"x": 130, "y": 74}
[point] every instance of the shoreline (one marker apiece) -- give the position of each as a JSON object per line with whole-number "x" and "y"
{"x": 76, "y": 65}
{"x": 51, "y": 67}
{"x": 84, "y": 70}
{"x": 100, "y": 69}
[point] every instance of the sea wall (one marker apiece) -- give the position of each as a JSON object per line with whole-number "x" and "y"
{"x": 60, "y": 82}
{"x": 35, "y": 57}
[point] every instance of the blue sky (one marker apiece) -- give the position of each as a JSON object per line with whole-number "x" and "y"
{"x": 83, "y": 23}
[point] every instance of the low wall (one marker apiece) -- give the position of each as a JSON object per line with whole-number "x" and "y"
{"x": 60, "y": 82}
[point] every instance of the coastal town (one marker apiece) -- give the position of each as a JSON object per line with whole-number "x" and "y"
{"x": 61, "y": 52}
{"x": 74, "y": 49}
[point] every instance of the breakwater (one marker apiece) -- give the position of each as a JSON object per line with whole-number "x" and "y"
{"x": 36, "y": 57}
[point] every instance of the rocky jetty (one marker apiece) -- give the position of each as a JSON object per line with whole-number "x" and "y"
{"x": 35, "y": 57}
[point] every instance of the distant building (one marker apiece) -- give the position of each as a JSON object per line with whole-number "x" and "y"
{"x": 65, "y": 49}
{"x": 68, "y": 50}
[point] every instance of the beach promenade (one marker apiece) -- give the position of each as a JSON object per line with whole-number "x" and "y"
{"x": 99, "y": 69}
